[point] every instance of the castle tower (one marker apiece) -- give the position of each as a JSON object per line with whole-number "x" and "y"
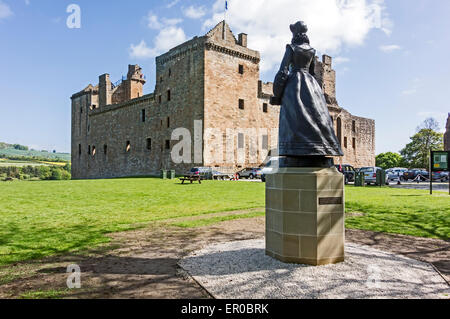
{"x": 104, "y": 90}
{"x": 326, "y": 77}
{"x": 135, "y": 82}
{"x": 447, "y": 135}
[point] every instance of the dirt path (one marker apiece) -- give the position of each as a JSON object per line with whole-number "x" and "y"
{"x": 143, "y": 263}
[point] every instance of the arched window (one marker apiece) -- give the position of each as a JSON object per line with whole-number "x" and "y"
{"x": 128, "y": 148}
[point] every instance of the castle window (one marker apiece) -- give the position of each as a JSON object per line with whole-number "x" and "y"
{"x": 241, "y": 69}
{"x": 160, "y": 99}
{"x": 265, "y": 142}
{"x": 170, "y": 72}
{"x": 345, "y": 142}
{"x": 105, "y": 149}
{"x": 240, "y": 140}
{"x": 149, "y": 144}
{"x": 354, "y": 126}
{"x": 167, "y": 144}
{"x": 265, "y": 108}
{"x": 339, "y": 130}
{"x": 160, "y": 79}
{"x": 128, "y": 148}
{"x": 93, "y": 151}
{"x": 168, "y": 95}
{"x": 81, "y": 110}
{"x": 143, "y": 116}
{"x": 354, "y": 142}
{"x": 241, "y": 104}
{"x": 89, "y": 150}
{"x": 79, "y": 149}
{"x": 168, "y": 122}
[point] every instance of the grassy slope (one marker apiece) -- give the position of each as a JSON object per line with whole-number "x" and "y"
{"x": 38, "y": 219}
{"x": 14, "y": 152}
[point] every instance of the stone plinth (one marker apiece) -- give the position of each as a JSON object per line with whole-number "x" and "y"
{"x": 305, "y": 221}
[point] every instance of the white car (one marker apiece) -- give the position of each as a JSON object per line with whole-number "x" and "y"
{"x": 395, "y": 174}
{"x": 271, "y": 165}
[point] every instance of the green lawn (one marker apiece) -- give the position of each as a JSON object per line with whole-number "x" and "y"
{"x": 39, "y": 219}
{"x": 400, "y": 211}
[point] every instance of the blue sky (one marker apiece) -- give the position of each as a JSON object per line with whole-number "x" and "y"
{"x": 394, "y": 69}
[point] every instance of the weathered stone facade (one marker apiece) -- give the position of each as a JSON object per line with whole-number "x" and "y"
{"x": 210, "y": 87}
{"x": 447, "y": 135}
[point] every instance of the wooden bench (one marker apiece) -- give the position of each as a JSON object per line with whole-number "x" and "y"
{"x": 191, "y": 178}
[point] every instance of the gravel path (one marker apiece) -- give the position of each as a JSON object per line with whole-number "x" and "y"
{"x": 240, "y": 269}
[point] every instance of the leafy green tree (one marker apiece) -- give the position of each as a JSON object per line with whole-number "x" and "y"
{"x": 417, "y": 153}
{"x": 65, "y": 175}
{"x": 44, "y": 172}
{"x": 56, "y": 174}
{"x": 389, "y": 160}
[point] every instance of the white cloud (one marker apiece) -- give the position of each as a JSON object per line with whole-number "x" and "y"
{"x": 5, "y": 10}
{"x": 172, "y": 3}
{"x": 340, "y": 60}
{"x": 167, "y": 38}
{"x": 332, "y": 23}
{"x": 153, "y": 22}
{"x": 409, "y": 92}
{"x": 195, "y": 13}
{"x": 390, "y": 48}
{"x": 27, "y": 2}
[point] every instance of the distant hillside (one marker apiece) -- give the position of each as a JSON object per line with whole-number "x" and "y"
{"x": 11, "y": 151}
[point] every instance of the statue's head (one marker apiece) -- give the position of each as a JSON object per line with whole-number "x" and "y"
{"x": 299, "y": 27}
{"x": 299, "y": 30}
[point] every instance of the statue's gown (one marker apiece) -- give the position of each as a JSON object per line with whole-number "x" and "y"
{"x": 306, "y": 127}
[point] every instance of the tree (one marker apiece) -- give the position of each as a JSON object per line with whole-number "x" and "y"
{"x": 56, "y": 174}
{"x": 417, "y": 152}
{"x": 389, "y": 160}
{"x": 430, "y": 124}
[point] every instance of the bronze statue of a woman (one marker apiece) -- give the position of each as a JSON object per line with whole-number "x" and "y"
{"x": 306, "y": 136}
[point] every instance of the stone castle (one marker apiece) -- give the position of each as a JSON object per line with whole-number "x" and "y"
{"x": 447, "y": 135}
{"x": 210, "y": 87}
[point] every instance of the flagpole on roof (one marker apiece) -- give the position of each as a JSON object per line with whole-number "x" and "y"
{"x": 224, "y": 20}
{"x": 226, "y": 9}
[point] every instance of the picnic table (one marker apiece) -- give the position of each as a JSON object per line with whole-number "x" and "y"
{"x": 191, "y": 178}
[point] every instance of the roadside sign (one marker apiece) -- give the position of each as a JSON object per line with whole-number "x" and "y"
{"x": 439, "y": 161}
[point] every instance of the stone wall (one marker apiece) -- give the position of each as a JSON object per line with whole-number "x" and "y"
{"x": 233, "y": 105}
{"x": 447, "y": 135}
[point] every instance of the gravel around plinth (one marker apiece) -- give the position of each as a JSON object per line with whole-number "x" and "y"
{"x": 241, "y": 270}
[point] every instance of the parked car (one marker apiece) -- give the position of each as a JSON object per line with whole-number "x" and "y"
{"x": 440, "y": 176}
{"x": 220, "y": 176}
{"x": 204, "y": 172}
{"x": 250, "y": 173}
{"x": 370, "y": 174}
{"x": 272, "y": 164}
{"x": 413, "y": 173}
{"x": 348, "y": 171}
{"x": 395, "y": 174}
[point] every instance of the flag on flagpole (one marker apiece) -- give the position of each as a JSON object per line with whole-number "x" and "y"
{"x": 226, "y": 5}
